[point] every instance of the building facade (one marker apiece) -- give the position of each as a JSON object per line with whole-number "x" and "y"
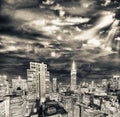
{"x": 17, "y": 106}
{"x": 54, "y": 84}
{"x": 19, "y": 83}
{"x": 2, "y": 108}
{"x": 37, "y": 76}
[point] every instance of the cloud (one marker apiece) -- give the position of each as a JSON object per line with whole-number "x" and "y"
{"x": 59, "y": 40}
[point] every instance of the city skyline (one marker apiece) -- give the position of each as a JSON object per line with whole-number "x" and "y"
{"x": 37, "y": 96}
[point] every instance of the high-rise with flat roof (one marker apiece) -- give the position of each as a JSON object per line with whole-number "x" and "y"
{"x": 48, "y": 83}
{"x": 37, "y": 74}
{"x": 54, "y": 84}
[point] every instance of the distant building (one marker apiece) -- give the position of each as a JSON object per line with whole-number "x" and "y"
{"x": 73, "y": 76}
{"x": 93, "y": 113}
{"x": 92, "y": 86}
{"x": 48, "y": 83}
{"x": 104, "y": 82}
{"x": 117, "y": 77}
{"x": 54, "y": 84}
{"x": 4, "y": 86}
{"x": 54, "y": 96}
{"x": 76, "y": 110}
{"x": 19, "y": 83}
{"x": 60, "y": 87}
{"x": 86, "y": 98}
{"x": 68, "y": 102}
{"x": 115, "y": 83}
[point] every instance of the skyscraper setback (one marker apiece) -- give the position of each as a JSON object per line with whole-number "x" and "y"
{"x": 73, "y": 76}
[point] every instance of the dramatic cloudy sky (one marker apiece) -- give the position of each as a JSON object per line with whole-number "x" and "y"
{"x": 87, "y": 31}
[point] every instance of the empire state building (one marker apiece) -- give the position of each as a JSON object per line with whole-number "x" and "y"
{"x": 73, "y": 76}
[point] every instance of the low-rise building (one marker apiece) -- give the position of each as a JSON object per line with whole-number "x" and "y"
{"x": 17, "y": 106}
{"x": 19, "y": 83}
{"x": 53, "y": 109}
{"x": 2, "y": 108}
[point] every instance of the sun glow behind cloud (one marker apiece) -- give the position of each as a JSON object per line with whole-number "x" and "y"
{"x": 106, "y": 19}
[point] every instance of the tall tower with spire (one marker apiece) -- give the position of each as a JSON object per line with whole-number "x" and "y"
{"x": 73, "y": 76}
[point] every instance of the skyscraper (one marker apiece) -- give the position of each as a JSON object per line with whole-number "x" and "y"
{"x": 73, "y": 76}
{"x": 54, "y": 84}
{"x": 38, "y": 74}
{"x": 48, "y": 83}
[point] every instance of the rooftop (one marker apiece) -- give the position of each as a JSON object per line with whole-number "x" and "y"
{"x": 52, "y": 108}
{"x": 68, "y": 93}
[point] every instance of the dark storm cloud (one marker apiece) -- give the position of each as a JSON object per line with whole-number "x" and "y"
{"x": 1, "y": 46}
{"x": 21, "y": 4}
{"x": 117, "y": 16}
{"x": 38, "y": 45}
{"x": 15, "y": 65}
{"x": 39, "y": 35}
{"x": 22, "y": 34}
{"x": 109, "y": 65}
{"x": 80, "y": 7}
